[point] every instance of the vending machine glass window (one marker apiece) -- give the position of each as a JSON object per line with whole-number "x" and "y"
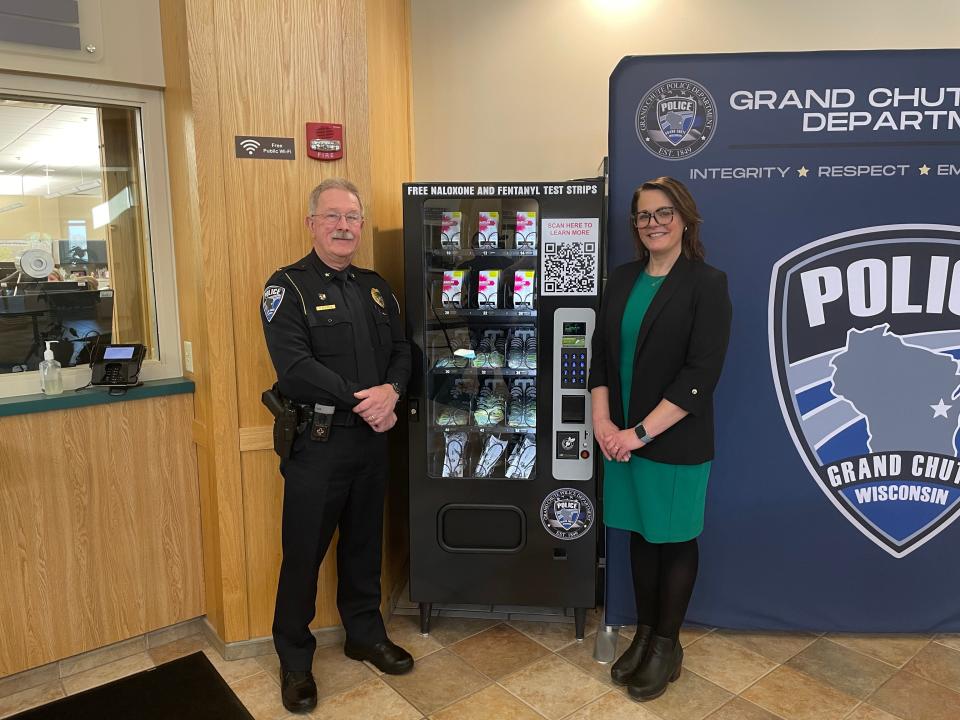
{"x": 481, "y": 337}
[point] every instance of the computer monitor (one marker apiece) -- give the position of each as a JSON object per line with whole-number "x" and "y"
{"x": 93, "y": 252}
{"x": 75, "y": 319}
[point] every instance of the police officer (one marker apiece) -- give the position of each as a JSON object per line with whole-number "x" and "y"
{"x": 334, "y": 335}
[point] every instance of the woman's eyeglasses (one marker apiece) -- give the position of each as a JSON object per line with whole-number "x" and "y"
{"x": 662, "y": 215}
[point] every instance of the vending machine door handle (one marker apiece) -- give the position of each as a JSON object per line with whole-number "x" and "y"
{"x": 414, "y": 410}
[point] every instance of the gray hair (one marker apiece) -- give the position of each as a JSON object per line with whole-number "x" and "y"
{"x": 334, "y": 183}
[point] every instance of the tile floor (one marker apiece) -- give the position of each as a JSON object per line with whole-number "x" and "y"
{"x": 524, "y": 670}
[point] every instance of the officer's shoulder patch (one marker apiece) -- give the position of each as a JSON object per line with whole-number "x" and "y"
{"x": 272, "y": 297}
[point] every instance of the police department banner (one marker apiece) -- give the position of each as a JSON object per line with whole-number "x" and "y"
{"x": 829, "y": 184}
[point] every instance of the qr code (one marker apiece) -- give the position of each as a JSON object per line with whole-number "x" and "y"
{"x": 569, "y": 268}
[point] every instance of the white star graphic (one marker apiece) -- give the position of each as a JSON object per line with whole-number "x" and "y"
{"x": 940, "y": 409}
{"x": 802, "y": 171}
{"x": 924, "y": 170}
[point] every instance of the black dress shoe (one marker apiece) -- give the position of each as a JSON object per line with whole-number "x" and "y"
{"x": 387, "y": 657}
{"x": 298, "y": 691}
{"x": 628, "y": 663}
{"x": 660, "y": 667}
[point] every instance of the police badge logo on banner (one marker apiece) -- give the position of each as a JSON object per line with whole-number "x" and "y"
{"x": 676, "y": 119}
{"x": 272, "y": 297}
{"x": 567, "y": 514}
{"x": 864, "y": 345}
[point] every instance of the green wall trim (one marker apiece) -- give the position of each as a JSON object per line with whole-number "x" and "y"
{"x": 25, "y": 404}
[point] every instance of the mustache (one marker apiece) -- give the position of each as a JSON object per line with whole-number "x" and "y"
{"x": 343, "y": 235}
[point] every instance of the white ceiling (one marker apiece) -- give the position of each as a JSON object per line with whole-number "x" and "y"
{"x": 48, "y": 149}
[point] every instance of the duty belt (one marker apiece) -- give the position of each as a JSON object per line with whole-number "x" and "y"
{"x": 341, "y": 418}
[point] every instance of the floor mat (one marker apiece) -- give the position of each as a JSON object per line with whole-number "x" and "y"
{"x": 188, "y": 688}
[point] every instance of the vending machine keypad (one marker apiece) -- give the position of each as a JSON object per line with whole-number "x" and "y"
{"x": 573, "y": 368}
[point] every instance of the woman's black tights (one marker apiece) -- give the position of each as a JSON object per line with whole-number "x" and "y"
{"x": 663, "y": 577}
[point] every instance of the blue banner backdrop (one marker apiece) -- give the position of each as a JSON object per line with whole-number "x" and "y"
{"x": 829, "y": 184}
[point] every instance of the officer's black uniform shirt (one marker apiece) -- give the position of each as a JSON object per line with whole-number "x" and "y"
{"x": 332, "y": 333}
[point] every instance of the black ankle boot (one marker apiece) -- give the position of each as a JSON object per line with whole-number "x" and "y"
{"x": 660, "y": 666}
{"x": 628, "y": 663}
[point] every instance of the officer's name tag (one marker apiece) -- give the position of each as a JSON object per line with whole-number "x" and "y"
{"x": 326, "y": 307}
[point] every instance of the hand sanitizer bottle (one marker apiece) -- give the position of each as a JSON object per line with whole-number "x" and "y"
{"x": 51, "y": 383}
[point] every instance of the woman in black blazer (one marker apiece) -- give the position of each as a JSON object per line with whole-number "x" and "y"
{"x": 658, "y": 350}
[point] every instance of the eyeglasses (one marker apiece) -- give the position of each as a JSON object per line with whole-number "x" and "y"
{"x": 333, "y": 218}
{"x": 663, "y": 216}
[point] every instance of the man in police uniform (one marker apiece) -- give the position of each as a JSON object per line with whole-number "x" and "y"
{"x": 334, "y": 334}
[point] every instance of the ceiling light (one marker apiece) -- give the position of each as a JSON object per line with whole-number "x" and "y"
{"x": 11, "y": 206}
{"x": 75, "y": 189}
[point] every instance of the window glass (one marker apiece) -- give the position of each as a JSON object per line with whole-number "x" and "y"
{"x": 74, "y": 245}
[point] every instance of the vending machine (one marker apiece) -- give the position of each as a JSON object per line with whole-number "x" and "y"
{"x": 502, "y": 293}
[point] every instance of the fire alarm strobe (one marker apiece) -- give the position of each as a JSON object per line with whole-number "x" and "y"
{"x": 325, "y": 141}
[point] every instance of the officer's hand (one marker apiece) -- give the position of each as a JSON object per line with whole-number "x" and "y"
{"x": 385, "y": 424}
{"x": 376, "y": 403}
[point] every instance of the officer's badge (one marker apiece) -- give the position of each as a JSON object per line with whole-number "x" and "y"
{"x": 272, "y": 297}
{"x": 377, "y": 297}
{"x": 322, "y": 296}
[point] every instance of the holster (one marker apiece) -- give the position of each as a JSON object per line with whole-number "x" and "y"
{"x": 284, "y": 421}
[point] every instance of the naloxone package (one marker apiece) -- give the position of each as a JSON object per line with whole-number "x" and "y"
{"x": 455, "y": 443}
{"x": 450, "y": 229}
{"x": 522, "y": 459}
{"x": 523, "y": 288}
{"x": 488, "y": 229}
{"x": 526, "y": 237}
{"x": 492, "y": 452}
{"x": 487, "y": 288}
{"x": 453, "y": 288}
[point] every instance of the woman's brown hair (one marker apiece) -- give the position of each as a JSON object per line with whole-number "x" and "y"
{"x": 683, "y": 204}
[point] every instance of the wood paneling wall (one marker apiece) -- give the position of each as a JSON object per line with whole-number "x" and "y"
{"x": 391, "y": 128}
{"x": 274, "y": 67}
{"x": 99, "y": 527}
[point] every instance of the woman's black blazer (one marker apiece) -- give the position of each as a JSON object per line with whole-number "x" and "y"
{"x": 680, "y": 350}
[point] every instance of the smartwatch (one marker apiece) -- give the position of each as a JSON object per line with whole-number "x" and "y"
{"x": 642, "y": 434}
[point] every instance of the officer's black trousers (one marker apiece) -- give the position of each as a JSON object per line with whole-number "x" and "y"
{"x": 339, "y": 483}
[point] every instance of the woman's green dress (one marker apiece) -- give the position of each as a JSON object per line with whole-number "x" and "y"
{"x": 662, "y": 502}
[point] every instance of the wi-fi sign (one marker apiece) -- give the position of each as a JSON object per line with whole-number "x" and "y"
{"x": 250, "y": 145}
{"x": 255, "y": 147}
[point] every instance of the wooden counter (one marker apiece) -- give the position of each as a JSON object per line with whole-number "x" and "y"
{"x": 99, "y": 526}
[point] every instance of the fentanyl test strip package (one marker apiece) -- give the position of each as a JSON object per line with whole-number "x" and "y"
{"x": 453, "y": 288}
{"x": 488, "y": 229}
{"x": 523, "y": 283}
{"x": 526, "y": 236}
{"x": 487, "y": 288}
{"x": 450, "y": 230}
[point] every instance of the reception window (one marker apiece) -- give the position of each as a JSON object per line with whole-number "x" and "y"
{"x": 79, "y": 245}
